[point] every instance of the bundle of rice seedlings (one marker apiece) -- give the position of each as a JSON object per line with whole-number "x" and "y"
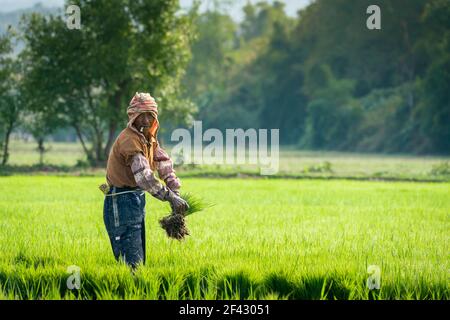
{"x": 175, "y": 224}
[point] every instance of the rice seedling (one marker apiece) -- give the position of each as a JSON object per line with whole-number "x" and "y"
{"x": 263, "y": 239}
{"x": 175, "y": 224}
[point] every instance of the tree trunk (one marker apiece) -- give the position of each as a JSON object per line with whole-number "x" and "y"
{"x": 116, "y": 102}
{"x": 41, "y": 149}
{"x": 83, "y": 144}
{"x": 5, "y": 156}
{"x": 99, "y": 148}
{"x": 111, "y": 136}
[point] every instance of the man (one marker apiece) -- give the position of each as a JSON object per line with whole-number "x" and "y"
{"x": 134, "y": 157}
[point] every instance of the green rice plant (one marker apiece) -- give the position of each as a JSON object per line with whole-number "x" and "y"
{"x": 264, "y": 239}
{"x": 175, "y": 225}
{"x": 196, "y": 204}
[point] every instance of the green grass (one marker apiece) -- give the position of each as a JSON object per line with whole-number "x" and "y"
{"x": 263, "y": 239}
{"x": 62, "y": 157}
{"x": 59, "y": 153}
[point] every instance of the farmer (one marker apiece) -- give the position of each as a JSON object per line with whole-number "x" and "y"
{"x": 134, "y": 157}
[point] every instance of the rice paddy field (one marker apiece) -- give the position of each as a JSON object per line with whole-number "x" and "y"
{"x": 62, "y": 158}
{"x": 263, "y": 239}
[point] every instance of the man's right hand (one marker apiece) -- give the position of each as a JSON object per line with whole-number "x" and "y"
{"x": 178, "y": 204}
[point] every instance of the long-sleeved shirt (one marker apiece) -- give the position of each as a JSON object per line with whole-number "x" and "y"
{"x": 125, "y": 154}
{"x": 146, "y": 179}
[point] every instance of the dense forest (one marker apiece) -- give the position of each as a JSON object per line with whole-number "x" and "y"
{"x": 324, "y": 79}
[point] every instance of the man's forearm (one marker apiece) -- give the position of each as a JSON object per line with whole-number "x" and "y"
{"x": 145, "y": 178}
{"x": 147, "y": 181}
{"x": 164, "y": 166}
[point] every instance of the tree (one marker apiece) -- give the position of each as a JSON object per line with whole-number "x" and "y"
{"x": 39, "y": 119}
{"x": 385, "y": 90}
{"x": 432, "y": 113}
{"x": 10, "y": 98}
{"x": 40, "y": 125}
{"x": 333, "y": 113}
{"x": 89, "y": 75}
{"x": 206, "y": 76}
{"x": 260, "y": 19}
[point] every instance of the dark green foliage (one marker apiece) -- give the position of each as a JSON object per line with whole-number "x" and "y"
{"x": 326, "y": 81}
{"x": 88, "y": 76}
{"x": 322, "y": 78}
{"x": 441, "y": 169}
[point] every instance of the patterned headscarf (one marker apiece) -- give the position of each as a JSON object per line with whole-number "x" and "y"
{"x": 144, "y": 102}
{"x": 140, "y": 103}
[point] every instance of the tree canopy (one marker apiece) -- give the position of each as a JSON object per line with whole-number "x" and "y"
{"x": 327, "y": 81}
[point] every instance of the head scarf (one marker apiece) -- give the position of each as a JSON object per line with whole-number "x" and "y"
{"x": 140, "y": 103}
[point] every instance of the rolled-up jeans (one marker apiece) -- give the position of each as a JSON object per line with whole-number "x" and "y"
{"x": 124, "y": 217}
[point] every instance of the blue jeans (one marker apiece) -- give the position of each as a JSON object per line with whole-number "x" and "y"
{"x": 124, "y": 217}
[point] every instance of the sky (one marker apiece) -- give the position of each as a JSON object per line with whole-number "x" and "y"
{"x": 11, "y": 5}
{"x": 291, "y": 5}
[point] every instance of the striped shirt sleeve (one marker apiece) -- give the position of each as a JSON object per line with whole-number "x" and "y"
{"x": 144, "y": 176}
{"x": 166, "y": 172}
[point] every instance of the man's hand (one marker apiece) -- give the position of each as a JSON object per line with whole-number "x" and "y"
{"x": 178, "y": 204}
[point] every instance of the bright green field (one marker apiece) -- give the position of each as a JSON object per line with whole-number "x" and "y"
{"x": 292, "y": 163}
{"x": 285, "y": 239}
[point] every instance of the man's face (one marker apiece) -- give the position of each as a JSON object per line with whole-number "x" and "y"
{"x": 143, "y": 120}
